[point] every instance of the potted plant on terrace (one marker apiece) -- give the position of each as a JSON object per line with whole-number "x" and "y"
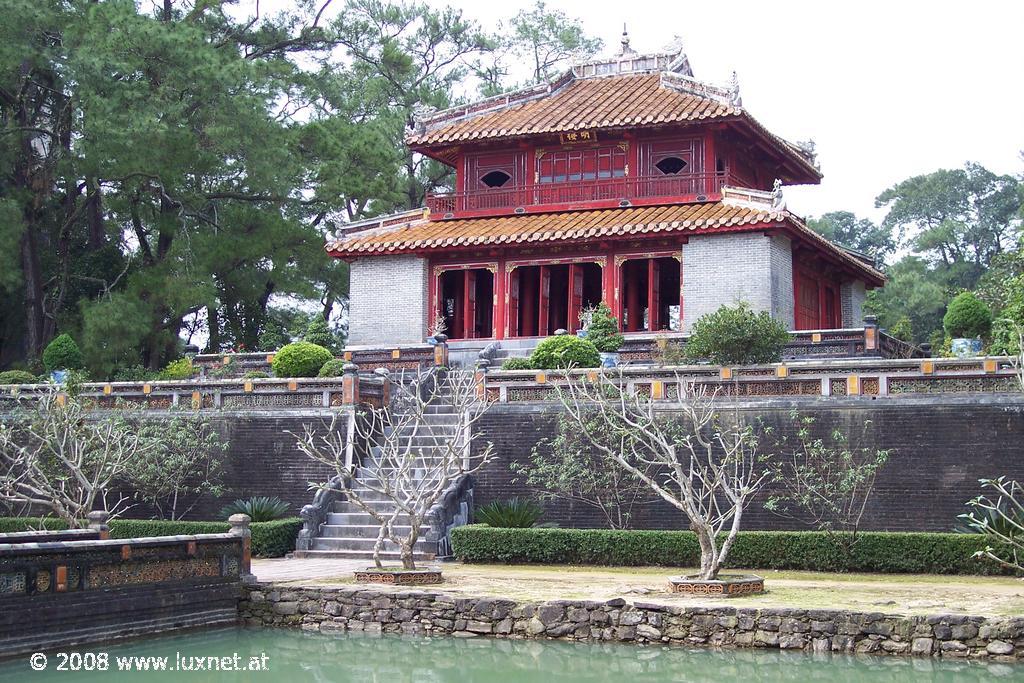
{"x": 967, "y": 320}
{"x": 603, "y": 332}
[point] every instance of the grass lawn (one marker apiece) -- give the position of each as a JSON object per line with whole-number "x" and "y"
{"x": 889, "y": 593}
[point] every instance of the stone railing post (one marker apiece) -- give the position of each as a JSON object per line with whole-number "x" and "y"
{"x": 98, "y": 522}
{"x": 480, "y": 377}
{"x": 350, "y": 384}
{"x": 240, "y": 527}
{"x": 441, "y": 351}
{"x": 870, "y": 333}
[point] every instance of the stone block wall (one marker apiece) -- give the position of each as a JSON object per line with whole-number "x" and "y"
{"x": 388, "y": 301}
{"x": 819, "y": 631}
{"x": 727, "y": 268}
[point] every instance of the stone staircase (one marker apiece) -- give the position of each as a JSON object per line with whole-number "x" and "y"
{"x": 351, "y": 533}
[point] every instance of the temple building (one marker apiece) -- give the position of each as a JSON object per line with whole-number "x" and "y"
{"x": 625, "y": 180}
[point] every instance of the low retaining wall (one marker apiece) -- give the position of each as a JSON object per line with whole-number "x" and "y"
{"x": 420, "y": 612}
{"x": 65, "y": 593}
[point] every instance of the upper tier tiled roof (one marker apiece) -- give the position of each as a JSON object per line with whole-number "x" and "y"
{"x": 592, "y": 103}
{"x": 418, "y": 233}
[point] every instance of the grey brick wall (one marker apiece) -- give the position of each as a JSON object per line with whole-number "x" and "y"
{"x": 725, "y": 269}
{"x": 852, "y": 296}
{"x": 781, "y": 257}
{"x": 388, "y": 300}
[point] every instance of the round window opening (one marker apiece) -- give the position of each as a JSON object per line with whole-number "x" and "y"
{"x": 671, "y": 165}
{"x": 496, "y": 179}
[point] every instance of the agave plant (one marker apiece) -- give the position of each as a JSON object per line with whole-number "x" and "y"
{"x": 259, "y": 508}
{"x": 515, "y": 513}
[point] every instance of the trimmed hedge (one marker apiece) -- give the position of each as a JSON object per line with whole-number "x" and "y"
{"x": 269, "y": 539}
{"x": 885, "y": 552}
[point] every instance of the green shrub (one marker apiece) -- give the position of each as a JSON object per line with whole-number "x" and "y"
{"x": 134, "y": 373}
{"x": 333, "y": 368}
{"x": 603, "y": 330}
{"x": 903, "y": 329}
{"x": 178, "y": 370}
{"x": 63, "y": 354}
{"x": 318, "y": 333}
{"x": 275, "y": 538}
{"x": 300, "y": 359}
{"x": 565, "y": 351}
{"x": 967, "y": 316}
{"x": 269, "y": 539}
{"x": 924, "y": 553}
{"x": 259, "y": 508}
{"x": 17, "y": 377}
{"x": 514, "y": 513}
{"x": 255, "y": 374}
{"x": 735, "y": 335}
{"x": 517, "y": 364}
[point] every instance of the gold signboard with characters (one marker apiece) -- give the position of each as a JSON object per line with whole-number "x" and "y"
{"x": 576, "y": 137}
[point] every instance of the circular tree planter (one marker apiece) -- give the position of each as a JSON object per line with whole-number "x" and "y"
{"x": 725, "y": 586}
{"x": 398, "y": 576}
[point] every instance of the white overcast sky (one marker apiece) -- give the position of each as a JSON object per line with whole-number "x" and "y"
{"x": 887, "y": 90}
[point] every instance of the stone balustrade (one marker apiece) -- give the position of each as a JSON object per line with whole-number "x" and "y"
{"x": 855, "y": 377}
{"x": 811, "y": 630}
{"x": 56, "y": 592}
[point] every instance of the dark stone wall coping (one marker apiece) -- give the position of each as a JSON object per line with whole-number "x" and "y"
{"x": 333, "y": 609}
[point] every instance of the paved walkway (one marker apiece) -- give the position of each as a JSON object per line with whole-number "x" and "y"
{"x": 282, "y": 569}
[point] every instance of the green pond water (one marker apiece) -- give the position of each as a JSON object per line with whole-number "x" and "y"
{"x": 296, "y": 657}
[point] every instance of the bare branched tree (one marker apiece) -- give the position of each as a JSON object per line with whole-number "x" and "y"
{"x": 707, "y": 467}
{"x": 825, "y": 483}
{"x": 413, "y": 460}
{"x": 55, "y": 457}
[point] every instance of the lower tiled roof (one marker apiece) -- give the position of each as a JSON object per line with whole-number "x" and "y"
{"x": 422, "y": 234}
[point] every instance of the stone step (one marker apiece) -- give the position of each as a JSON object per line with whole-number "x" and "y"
{"x": 366, "y": 544}
{"x": 362, "y": 530}
{"x": 357, "y": 517}
{"x": 358, "y": 555}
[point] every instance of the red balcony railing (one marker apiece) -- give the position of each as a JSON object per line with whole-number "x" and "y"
{"x": 683, "y": 186}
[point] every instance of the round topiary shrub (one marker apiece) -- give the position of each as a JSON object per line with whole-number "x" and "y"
{"x": 967, "y": 316}
{"x": 17, "y": 377}
{"x": 735, "y": 335}
{"x": 332, "y": 368}
{"x": 300, "y": 359}
{"x": 63, "y": 354}
{"x": 564, "y": 351}
{"x": 603, "y": 330}
{"x": 517, "y": 364}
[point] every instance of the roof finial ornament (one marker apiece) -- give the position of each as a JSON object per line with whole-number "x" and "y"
{"x": 778, "y": 201}
{"x": 626, "y": 49}
{"x": 420, "y": 112}
{"x": 734, "y": 91}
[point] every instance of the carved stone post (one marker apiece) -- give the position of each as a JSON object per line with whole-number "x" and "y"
{"x": 98, "y": 522}
{"x": 441, "y": 351}
{"x": 385, "y": 391}
{"x": 482, "y": 366}
{"x": 350, "y": 384}
{"x": 240, "y": 527}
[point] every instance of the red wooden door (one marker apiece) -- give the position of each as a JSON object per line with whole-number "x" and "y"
{"x": 808, "y": 309}
{"x": 653, "y": 295}
{"x": 575, "y": 296}
{"x": 545, "y": 300}
{"x": 512, "y": 314}
{"x": 469, "y": 297}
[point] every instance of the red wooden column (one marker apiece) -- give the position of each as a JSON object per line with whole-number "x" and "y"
{"x": 500, "y": 303}
{"x": 528, "y": 299}
{"x": 512, "y": 311}
{"x": 544, "y": 301}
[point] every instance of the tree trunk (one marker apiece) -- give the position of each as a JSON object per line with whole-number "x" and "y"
{"x": 407, "y": 560}
{"x": 709, "y": 561}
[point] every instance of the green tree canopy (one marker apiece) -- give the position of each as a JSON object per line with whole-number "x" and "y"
{"x": 859, "y": 234}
